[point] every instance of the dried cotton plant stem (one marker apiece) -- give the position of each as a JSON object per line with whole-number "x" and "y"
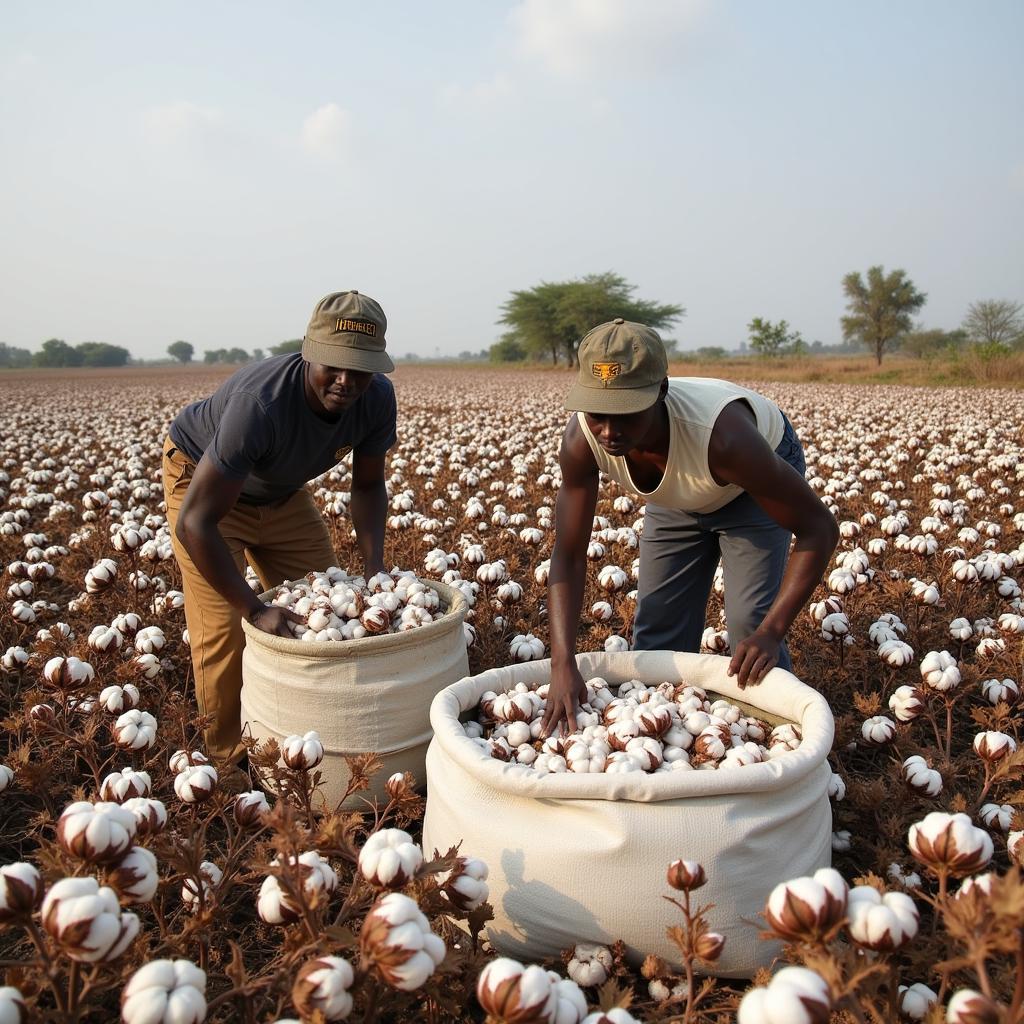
{"x": 51, "y": 968}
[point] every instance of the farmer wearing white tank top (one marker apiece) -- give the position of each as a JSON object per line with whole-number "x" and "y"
{"x": 721, "y": 471}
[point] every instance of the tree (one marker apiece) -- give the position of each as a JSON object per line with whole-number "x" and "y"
{"x": 710, "y": 352}
{"x": 552, "y": 317}
{"x": 99, "y": 353}
{"x": 295, "y": 345}
{"x": 929, "y": 343}
{"x": 508, "y": 350}
{"x": 257, "y": 354}
{"x": 236, "y": 355}
{"x": 14, "y": 358}
{"x": 880, "y": 308}
{"x": 772, "y": 340}
{"x": 55, "y": 352}
{"x": 181, "y": 350}
{"x": 214, "y": 355}
{"x": 995, "y": 321}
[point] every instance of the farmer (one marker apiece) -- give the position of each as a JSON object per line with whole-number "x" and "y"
{"x": 235, "y": 467}
{"x": 721, "y": 471}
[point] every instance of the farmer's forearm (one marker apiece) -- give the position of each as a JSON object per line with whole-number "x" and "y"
{"x": 807, "y": 562}
{"x": 566, "y": 583}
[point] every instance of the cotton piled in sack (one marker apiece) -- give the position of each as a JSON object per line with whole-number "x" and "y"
{"x": 582, "y": 858}
{"x": 363, "y": 696}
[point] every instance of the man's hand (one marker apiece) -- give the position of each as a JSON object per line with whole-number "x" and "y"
{"x": 566, "y": 692}
{"x": 272, "y": 618}
{"x": 754, "y": 658}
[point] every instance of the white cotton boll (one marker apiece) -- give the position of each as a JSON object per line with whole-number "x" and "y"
{"x": 906, "y": 703}
{"x": 842, "y": 841}
{"x": 878, "y": 731}
{"x": 135, "y": 730}
{"x": 389, "y": 858}
{"x": 1000, "y": 690}
{"x": 194, "y": 891}
{"x": 302, "y": 752}
{"x": 795, "y": 995}
{"x": 116, "y": 699}
{"x": 526, "y": 647}
{"x": 881, "y": 922}
{"x": 939, "y": 671}
{"x": 996, "y": 817}
{"x": 397, "y": 939}
{"x": 195, "y": 783}
{"x": 920, "y": 778}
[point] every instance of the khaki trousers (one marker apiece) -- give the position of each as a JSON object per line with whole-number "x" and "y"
{"x": 281, "y": 542}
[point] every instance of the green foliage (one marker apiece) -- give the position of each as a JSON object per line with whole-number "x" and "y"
{"x": 258, "y": 354}
{"x": 933, "y": 343}
{"x": 995, "y": 321}
{"x": 880, "y": 309}
{"x": 12, "y": 358}
{"x": 772, "y": 340}
{"x": 225, "y": 355}
{"x": 284, "y": 347}
{"x": 986, "y": 351}
{"x": 552, "y": 317}
{"x": 99, "y": 353}
{"x": 508, "y": 350}
{"x": 181, "y": 350}
{"x": 710, "y": 353}
{"x": 55, "y": 352}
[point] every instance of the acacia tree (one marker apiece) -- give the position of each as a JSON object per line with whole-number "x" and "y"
{"x": 995, "y": 322}
{"x": 881, "y": 308}
{"x": 181, "y": 350}
{"x": 552, "y": 317}
{"x": 768, "y": 339}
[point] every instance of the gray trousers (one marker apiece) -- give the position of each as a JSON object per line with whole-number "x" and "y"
{"x": 679, "y": 552}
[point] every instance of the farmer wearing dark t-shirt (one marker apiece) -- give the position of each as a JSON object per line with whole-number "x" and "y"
{"x": 235, "y": 468}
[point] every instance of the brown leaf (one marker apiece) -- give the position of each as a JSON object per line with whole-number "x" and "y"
{"x": 611, "y": 995}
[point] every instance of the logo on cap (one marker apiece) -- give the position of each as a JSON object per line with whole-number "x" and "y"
{"x": 606, "y": 372}
{"x": 344, "y": 325}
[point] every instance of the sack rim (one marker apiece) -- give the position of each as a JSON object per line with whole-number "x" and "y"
{"x": 452, "y": 600}
{"x": 780, "y": 693}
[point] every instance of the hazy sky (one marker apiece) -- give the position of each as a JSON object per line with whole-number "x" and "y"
{"x": 207, "y": 171}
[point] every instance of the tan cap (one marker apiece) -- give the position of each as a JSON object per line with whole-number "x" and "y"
{"x": 347, "y": 331}
{"x": 622, "y": 365}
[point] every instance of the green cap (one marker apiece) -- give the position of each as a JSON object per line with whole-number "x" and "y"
{"x": 347, "y": 331}
{"x": 622, "y": 365}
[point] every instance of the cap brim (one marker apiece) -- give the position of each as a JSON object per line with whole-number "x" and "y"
{"x": 611, "y": 401}
{"x": 345, "y": 357}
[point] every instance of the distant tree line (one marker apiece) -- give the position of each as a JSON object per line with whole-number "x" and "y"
{"x": 880, "y": 309}
{"x": 548, "y": 321}
{"x": 55, "y": 352}
{"x": 235, "y": 355}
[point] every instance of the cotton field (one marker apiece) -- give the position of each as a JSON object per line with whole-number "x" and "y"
{"x": 140, "y": 880}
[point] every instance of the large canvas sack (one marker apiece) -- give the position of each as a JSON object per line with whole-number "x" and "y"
{"x": 582, "y": 858}
{"x": 363, "y": 696}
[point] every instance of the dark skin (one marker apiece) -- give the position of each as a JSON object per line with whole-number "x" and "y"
{"x": 737, "y": 454}
{"x": 211, "y": 495}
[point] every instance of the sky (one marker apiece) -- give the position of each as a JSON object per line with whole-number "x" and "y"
{"x": 207, "y": 172}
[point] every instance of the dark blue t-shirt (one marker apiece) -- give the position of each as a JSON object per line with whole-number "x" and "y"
{"x": 258, "y": 426}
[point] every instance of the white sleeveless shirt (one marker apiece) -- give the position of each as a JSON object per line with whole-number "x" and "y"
{"x": 694, "y": 404}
